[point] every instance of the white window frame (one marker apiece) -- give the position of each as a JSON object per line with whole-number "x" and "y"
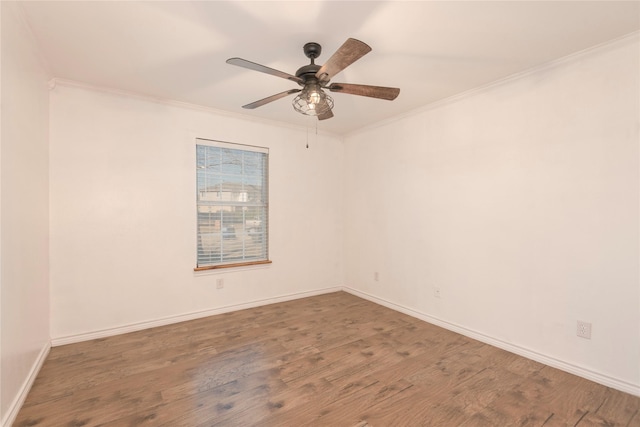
{"x": 232, "y": 215}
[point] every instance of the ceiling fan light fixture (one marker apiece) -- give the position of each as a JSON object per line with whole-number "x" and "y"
{"x": 312, "y": 100}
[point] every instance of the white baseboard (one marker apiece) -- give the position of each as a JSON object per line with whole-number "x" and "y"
{"x": 70, "y": 339}
{"x": 521, "y": 351}
{"x": 15, "y": 406}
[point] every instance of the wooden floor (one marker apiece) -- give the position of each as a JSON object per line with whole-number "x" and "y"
{"x": 330, "y": 360}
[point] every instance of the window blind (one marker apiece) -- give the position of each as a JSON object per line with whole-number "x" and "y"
{"x": 232, "y": 203}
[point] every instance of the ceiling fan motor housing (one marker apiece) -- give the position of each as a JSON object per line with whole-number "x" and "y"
{"x": 307, "y": 72}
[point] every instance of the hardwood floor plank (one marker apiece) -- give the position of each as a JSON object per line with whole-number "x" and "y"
{"x": 616, "y": 407}
{"x": 328, "y": 360}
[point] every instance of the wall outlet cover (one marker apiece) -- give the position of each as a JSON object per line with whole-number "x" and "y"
{"x": 584, "y": 330}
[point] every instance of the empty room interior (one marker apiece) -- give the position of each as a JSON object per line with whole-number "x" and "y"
{"x": 325, "y": 213}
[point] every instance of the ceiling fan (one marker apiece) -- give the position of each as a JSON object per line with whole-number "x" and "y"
{"x": 312, "y": 99}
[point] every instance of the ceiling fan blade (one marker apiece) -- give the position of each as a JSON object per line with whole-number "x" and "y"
{"x": 380, "y": 92}
{"x": 263, "y": 69}
{"x": 270, "y": 99}
{"x": 325, "y": 116}
{"x": 347, "y": 54}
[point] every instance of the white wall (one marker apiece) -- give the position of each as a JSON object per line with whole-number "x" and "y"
{"x": 520, "y": 202}
{"x": 24, "y": 191}
{"x": 123, "y": 232}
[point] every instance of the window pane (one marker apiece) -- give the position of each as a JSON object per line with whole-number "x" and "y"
{"x": 232, "y": 205}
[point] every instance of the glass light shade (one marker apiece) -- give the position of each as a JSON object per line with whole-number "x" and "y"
{"x": 312, "y": 101}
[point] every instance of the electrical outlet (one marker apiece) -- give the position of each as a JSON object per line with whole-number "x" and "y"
{"x": 436, "y": 292}
{"x": 584, "y": 330}
{"x": 376, "y": 276}
{"x": 219, "y": 283}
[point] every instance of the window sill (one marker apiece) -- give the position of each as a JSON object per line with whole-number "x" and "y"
{"x": 239, "y": 264}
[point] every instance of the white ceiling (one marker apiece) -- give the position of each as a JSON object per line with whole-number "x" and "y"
{"x": 429, "y": 49}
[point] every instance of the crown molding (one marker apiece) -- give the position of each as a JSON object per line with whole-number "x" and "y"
{"x": 572, "y": 57}
{"x": 54, "y": 82}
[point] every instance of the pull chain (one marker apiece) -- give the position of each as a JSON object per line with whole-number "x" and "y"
{"x": 312, "y": 118}
{"x": 316, "y": 120}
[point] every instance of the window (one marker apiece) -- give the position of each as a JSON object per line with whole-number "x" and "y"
{"x": 232, "y": 204}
